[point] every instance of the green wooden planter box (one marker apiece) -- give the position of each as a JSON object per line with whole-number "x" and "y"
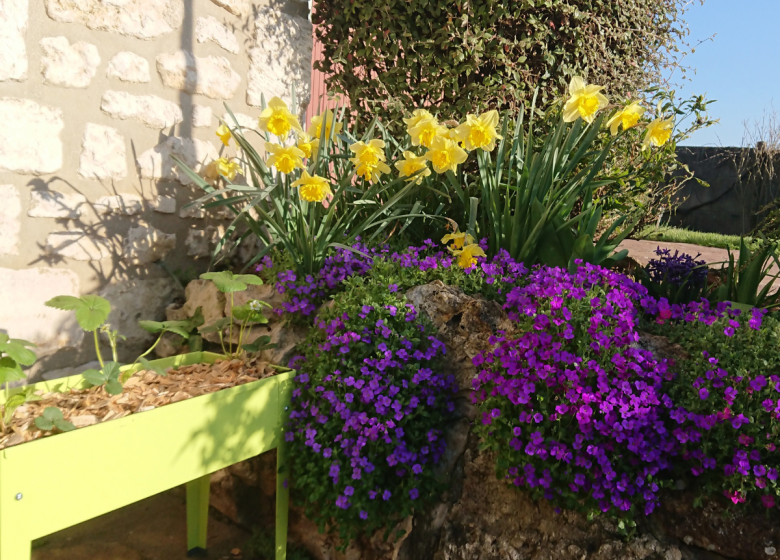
{"x": 55, "y": 482}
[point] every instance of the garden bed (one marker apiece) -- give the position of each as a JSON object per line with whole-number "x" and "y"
{"x": 145, "y": 390}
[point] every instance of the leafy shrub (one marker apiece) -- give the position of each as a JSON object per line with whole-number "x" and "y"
{"x": 679, "y": 278}
{"x": 570, "y": 406}
{"x": 726, "y": 412}
{"x": 367, "y": 412}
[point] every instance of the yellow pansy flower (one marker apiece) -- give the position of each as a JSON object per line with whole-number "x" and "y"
{"x": 284, "y": 159}
{"x": 277, "y": 119}
{"x": 417, "y": 116}
{"x": 315, "y": 128}
{"x": 459, "y": 239}
{"x": 224, "y": 134}
{"x": 658, "y": 133}
{"x": 410, "y": 165}
{"x": 585, "y": 101}
{"x": 308, "y": 145}
{"x": 468, "y": 256}
{"x": 445, "y": 155}
{"x": 223, "y": 167}
{"x": 480, "y": 131}
{"x": 369, "y": 159}
{"x": 628, "y": 117}
{"x": 312, "y": 188}
{"x": 425, "y": 131}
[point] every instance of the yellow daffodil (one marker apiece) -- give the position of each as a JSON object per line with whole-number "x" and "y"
{"x": 585, "y": 101}
{"x": 308, "y": 145}
{"x": 312, "y": 188}
{"x": 223, "y": 167}
{"x": 425, "y": 130}
{"x": 315, "y": 128}
{"x": 468, "y": 256}
{"x": 480, "y": 131}
{"x": 417, "y": 116}
{"x": 658, "y": 133}
{"x": 445, "y": 155}
{"x": 277, "y": 119}
{"x": 369, "y": 159}
{"x": 224, "y": 134}
{"x": 628, "y": 117}
{"x": 284, "y": 159}
{"x": 459, "y": 239}
{"x": 410, "y": 165}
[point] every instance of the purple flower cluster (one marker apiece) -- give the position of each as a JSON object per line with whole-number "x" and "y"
{"x": 367, "y": 410}
{"x": 570, "y": 403}
{"x": 676, "y": 269}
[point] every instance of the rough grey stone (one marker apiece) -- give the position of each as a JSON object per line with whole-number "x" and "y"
{"x": 129, "y": 67}
{"x": 39, "y": 149}
{"x": 51, "y": 204}
{"x": 102, "y": 153}
{"x": 211, "y": 76}
{"x": 153, "y": 111}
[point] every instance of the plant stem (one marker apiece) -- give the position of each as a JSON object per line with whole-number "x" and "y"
{"x": 97, "y": 348}
{"x": 230, "y": 329}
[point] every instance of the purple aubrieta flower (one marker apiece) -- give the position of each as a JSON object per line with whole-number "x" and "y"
{"x": 342, "y": 502}
{"x": 386, "y": 495}
{"x": 363, "y": 514}
{"x": 414, "y": 493}
{"x": 393, "y": 288}
{"x": 703, "y": 393}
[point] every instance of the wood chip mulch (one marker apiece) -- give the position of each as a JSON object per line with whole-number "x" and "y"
{"x": 145, "y": 390}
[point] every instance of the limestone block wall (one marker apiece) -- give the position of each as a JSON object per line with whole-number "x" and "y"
{"x": 95, "y": 98}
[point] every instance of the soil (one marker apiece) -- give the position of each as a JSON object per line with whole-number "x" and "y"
{"x": 143, "y": 391}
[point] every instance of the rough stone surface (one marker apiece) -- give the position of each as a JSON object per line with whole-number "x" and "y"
{"x": 67, "y": 65}
{"x": 280, "y": 57}
{"x": 150, "y": 110}
{"x": 235, "y": 7}
{"x": 10, "y": 224}
{"x": 102, "y": 153}
{"x": 143, "y": 19}
{"x": 24, "y": 315}
{"x": 200, "y": 241}
{"x": 76, "y": 244}
{"x": 156, "y": 163}
{"x": 192, "y": 212}
{"x": 211, "y": 76}
{"x": 39, "y": 149}
{"x": 201, "y": 116}
{"x": 203, "y": 294}
{"x": 165, "y": 205}
{"x": 145, "y": 244}
{"x": 13, "y": 27}
{"x": 127, "y": 204}
{"x": 68, "y": 371}
{"x": 244, "y": 121}
{"x": 51, "y": 204}
{"x": 209, "y": 29}
{"x": 129, "y": 67}
{"x": 155, "y": 294}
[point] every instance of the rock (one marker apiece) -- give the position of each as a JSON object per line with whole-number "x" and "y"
{"x": 211, "y": 76}
{"x": 24, "y": 315}
{"x": 51, "y": 204}
{"x": 76, "y": 244}
{"x": 192, "y": 212}
{"x": 142, "y": 19}
{"x": 138, "y": 300}
{"x": 10, "y": 224}
{"x": 244, "y": 121}
{"x": 662, "y": 347}
{"x": 150, "y": 110}
{"x": 39, "y": 149}
{"x": 13, "y": 27}
{"x": 145, "y": 244}
{"x": 84, "y": 420}
{"x": 279, "y": 58}
{"x": 209, "y": 29}
{"x": 68, "y": 371}
{"x": 129, "y": 67}
{"x": 127, "y": 204}
{"x": 170, "y": 344}
{"x": 102, "y": 153}
{"x": 235, "y": 7}
{"x": 201, "y": 116}
{"x": 203, "y": 294}
{"x": 165, "y": 205}
{"x": 156, "y": 163}
{"x": 200, "y": 241}
{"x": 68, "y": 65}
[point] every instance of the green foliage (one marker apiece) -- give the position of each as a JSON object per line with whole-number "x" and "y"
{"x": 107, "y": 376}
{"x": 14, "y": 353}
{"x": 52, "y": 419}
{"x": 16, "y": 400}
{"x": 91, "y": 311}
{"x": 182, "y": 328}
{"x": 741, "y": 279}
{"x": 459, "y": 57}
{"x": 262, "y": 546}
{"x": 705, "y": 239}
{"x": 227, "y": 282}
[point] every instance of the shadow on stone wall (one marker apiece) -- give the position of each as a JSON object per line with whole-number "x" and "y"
{"x": 742, "y": 182}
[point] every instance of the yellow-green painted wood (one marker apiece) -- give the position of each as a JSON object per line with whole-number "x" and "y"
{"x": 55, "y": 482}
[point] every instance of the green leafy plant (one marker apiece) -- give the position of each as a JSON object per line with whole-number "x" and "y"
{"x": 16, "y": 400}
{"x": 107, "y": 376}
{"x": 184, "y": 329}
{"x": 52, "y": 419}
{"x": 14, "y": 353}
{"x": 239, "y": 317}
{"x": 741, "y": 279}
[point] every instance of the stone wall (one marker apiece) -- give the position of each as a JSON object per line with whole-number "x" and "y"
{"x": 95, "y": 97}
{"x": 740, "y": 186}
